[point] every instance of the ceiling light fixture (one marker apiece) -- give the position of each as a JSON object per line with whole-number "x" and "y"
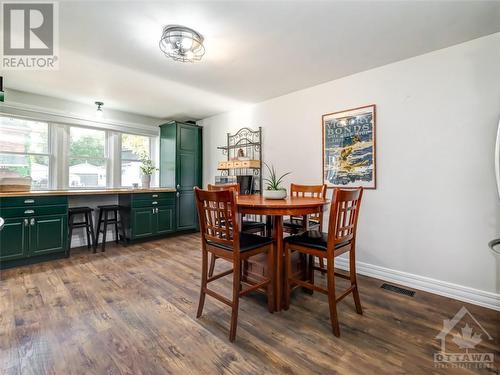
{"x": 181, "y": 43}
{"x": 99, "y": 112}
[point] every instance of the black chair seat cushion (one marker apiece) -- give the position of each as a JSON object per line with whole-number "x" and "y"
{"x": 248, "y": 224}
{"x": 297, "y": 223}
{"x": 109, "y": 207}
{"x": 248, "y": 242}
{"x": 313, "y": 239}
{"x": 79, "y": 210}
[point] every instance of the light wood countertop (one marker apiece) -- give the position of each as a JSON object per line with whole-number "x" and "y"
{"x": 70, "y": 192}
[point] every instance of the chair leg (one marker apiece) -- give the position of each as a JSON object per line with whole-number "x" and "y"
{"x": 354, "y": 281}
{"x": 105, "y": 230}
{"x": 332, "y": 302}
{"x": 70, "y": 233}
{"x": 87, "y": 230}
{"x": 213, "y": 257}
{"x": 116, "y": 226}
{"x": 270, "y": 275}
{"x": 204, "y": 267}
{"x": 288, "y": 275}
{"x": 99, "y": 222}
{"x": 92, "y": 234}
{"x": 321, "y": 263}
{"x": 310, "y": 267}
{"x": 236, "y": 299}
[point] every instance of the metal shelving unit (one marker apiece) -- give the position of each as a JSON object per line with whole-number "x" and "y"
{"x": 242, "y": 146}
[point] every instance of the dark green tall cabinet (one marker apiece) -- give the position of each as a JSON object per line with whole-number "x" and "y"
{"x": 181, "y": 168}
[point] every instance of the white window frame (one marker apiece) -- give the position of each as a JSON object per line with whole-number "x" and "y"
{"x": 58, "y": 149}
{"x": 49, "y": 153}
{"x": 151, "y": 156}
{"x": 109, "y": 178}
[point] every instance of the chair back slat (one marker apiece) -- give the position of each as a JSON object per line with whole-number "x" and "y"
{"x": 217, "y": 213}
{"x": 312, "y": 191}
{"x": 343, "y": 216}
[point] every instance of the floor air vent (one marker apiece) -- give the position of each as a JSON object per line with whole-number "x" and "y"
{"x": 397, "y": 289}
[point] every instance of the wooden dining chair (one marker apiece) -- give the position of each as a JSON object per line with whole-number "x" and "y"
{"x": 341, "y": 238}
{"x": 219, "y": 226}
{"x": 315, "y": 221}
{"x": 295, "y": 224}
{"x": 247, "y": 226}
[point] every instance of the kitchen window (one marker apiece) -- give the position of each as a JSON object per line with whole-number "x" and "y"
{"x": 133, "y": 148}
{"x": 25, "y": 151}
{"x": 87, "y": 158}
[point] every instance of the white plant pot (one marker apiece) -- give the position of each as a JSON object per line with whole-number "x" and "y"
{"x": 274, "y": 194}
{"x": 146, "y": 181}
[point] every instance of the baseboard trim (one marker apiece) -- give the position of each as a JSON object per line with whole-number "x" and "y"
{"x": 427, "y": 284}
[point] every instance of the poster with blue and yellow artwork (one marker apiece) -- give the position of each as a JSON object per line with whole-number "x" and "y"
{"x": 349, "y": 148}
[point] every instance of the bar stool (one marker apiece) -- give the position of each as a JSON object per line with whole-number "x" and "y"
{"x": 105, "y": 219}
{"x": 87, "y": 224}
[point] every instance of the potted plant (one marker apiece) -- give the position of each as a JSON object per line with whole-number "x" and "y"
{"x": 273, "y": 189}
{"x": 147, "y": 169}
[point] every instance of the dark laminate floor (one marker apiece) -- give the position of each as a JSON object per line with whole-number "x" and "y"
{"x": 132, "y": 311}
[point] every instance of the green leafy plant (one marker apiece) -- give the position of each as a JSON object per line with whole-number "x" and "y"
{"x": 147, "y": 166}
{"x": 273, "y": 182}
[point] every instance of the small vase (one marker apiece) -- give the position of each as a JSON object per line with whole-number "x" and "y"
{"x": 146, "y": 181}
{"x": 274, "y": 194}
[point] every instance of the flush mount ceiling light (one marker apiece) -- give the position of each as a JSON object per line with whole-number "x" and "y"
{"x": 182, "y": 43}
{"x": 99, "y": 112}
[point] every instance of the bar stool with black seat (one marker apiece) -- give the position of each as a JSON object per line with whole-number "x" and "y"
{"x": 341, "y": 238}
{"x": 104, "y": 220}
{"x": 87, "y": 223}
{"x": 247, "y": 226}
{"x": 219, "y": 226}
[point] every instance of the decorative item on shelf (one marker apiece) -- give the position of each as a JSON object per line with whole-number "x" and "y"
{"x": 273, "y": 189}
{"x": 147, "y": 169}
{"x": 349, "y": 148}
{"x": 181, "y": 43}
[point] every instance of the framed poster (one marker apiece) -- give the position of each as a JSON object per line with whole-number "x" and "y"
{"x": 349, "y": 148}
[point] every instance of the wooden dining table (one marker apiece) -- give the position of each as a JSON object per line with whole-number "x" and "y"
{"x": 276, "y": 209}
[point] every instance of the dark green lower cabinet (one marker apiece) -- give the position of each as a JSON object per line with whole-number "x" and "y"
{"x": 27, "y": 237}
{"x": 165, "y": 220}
{"x": 13, "y": 239}
{"x": 152, "y": 221}
{"x": 142, "y": 222}
{"x": 48, "y": 234}
{"x": 187, "y": 217}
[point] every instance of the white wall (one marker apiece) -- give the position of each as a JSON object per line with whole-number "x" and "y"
{"x": 436, "y": 206}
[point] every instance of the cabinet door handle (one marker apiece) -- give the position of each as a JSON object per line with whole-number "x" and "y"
{"x": 194, "y": 187}
{"x": 29, "y": 201}
{"x": 156, "y": 210}
{"x": 153, "y": 210}
{"x": 178, "y": 194}
{"x": 32, "y": 222}
{"x": 154, "y": 202}
{"x": 154, "y": 196}
{"x": 28, "y": 212}
{"x": 178, "y": 186}
{"x": 26, "y": 222}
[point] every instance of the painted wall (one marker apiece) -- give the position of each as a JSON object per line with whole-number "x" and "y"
{"x": 436, "y": 205}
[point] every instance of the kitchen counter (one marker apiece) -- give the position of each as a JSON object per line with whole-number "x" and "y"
{"x": 70, "y": 192}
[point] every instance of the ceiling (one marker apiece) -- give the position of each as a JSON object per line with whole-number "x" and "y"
{"x": 254, "y": 50}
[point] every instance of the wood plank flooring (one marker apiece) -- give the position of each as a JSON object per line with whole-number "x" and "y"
{"x": 131, "y": 310}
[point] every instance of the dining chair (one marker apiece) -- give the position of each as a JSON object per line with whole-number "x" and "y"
{"x": 295, "y": 224}
{"x": 247, "y": 226}
{"x": 341, "y": 238}
{"x": 219, "y": 226}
